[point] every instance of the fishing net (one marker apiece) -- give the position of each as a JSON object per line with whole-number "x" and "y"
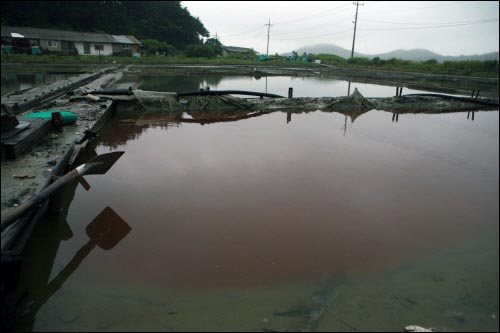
{"x": 154, "y": 101}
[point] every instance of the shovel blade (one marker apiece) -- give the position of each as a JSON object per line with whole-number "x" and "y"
{"x": 100, "y": 164}
{"x": 107, "y": 229}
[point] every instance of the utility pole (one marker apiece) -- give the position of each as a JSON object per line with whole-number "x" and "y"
{"x": 268, "y": 28}
{"x": 355, "y": 23}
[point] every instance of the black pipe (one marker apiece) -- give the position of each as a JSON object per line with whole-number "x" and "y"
{"x": 226, "y": 92}
{"x": 192, "y": 93}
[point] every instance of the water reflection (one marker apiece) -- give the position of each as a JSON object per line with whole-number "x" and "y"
{"x": 302, "y": 86}
{"x": 105, "y": 231}
{"x": 176, "y": 83}
{"x": 395, "y": 117}
{"x": 468, "y": 115}
{"x": 34, "y": 288}
{"x": 131, "y": 123}
{"x": 13, "y": 82}
{"x": 238, "y": 206}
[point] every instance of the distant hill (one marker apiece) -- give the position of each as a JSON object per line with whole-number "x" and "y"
{"x": 414, "y": 54}
{"x": 424, "y": 54}
{"x": 326, "y": 48}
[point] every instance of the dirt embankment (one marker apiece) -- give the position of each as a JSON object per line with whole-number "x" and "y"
{"x": 22, "y": 177}
{"x": 449, "y": 84}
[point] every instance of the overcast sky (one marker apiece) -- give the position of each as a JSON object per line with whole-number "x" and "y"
{"x": 445, "y": 27}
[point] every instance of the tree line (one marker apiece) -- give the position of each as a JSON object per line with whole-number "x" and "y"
{"x": 166, "y": 25}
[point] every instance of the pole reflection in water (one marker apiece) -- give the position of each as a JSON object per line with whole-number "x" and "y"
{"x": 395, "y": 117}
{"x": 469, "y": 113}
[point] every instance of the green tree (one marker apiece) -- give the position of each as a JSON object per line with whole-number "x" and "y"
{"x": 215, "y": 44}
{"x": 165, "y": 21}
{"x": 199, "y": 51}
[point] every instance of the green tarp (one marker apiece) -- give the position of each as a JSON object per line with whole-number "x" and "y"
{"x": 68, "y": 117}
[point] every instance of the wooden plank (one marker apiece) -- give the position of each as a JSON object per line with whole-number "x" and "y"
{"x": 18, "y": 144}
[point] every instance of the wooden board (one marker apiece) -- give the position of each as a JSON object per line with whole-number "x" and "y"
{"x": 14, "y": 146}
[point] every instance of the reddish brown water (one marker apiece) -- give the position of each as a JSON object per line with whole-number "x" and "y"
{"x": 235, "y": 223}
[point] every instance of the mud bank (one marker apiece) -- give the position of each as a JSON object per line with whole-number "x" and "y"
{"x": 353, "y": 105}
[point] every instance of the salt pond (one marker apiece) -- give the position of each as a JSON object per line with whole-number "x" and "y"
{"x": 271, "y": 223}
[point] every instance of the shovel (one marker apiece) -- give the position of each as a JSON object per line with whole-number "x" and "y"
{"x": 98, "y": 165}
{"x": 105, "y": 231}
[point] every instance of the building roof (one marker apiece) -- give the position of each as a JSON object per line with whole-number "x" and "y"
{"x": 50, "y": 34}
{"x": 134, "y": 40}
{"x": 236, "y": 49}
{"x": 122, "y": 39}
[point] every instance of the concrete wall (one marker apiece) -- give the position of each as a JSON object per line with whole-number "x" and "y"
{"x": 119, "y": 50}
{"x": 108, "y": 49}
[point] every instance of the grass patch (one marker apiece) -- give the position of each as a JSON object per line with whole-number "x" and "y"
{"x": 487, "y": 68}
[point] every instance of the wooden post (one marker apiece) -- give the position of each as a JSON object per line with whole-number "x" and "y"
{"x": 468, "y": 114}
{"x": 473, "y": 115}
{"x": 397, "y": 91}
{"x": 288, "y": 117}
{"x": 401, "y": 91}
{"x": 472, "y": 96}
{"x": 393, "y": 116}
{"x": 477, "y": 94}
{"x": 290, "y": 92}
{"x": 397, "y": 117}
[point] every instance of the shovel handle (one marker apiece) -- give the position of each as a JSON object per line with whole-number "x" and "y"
{"x": 16, "y": 213}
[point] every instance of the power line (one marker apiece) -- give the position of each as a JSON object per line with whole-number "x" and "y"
{"x": 428, "y": 24}
{"x": 447, "y": 4}
{"x": 303, "y": 18}
{"x": 293, "y": 20}
{"x": 245, "y": 36}
{"x": 316, "y": 27}
{"x": 435, "y": 26}
{"x": 315, "y": 36}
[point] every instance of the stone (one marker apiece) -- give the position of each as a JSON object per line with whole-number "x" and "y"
{"x": 12, "y": 202}
{"x": 415, "y": 328}
{"x": 92, "y": 98}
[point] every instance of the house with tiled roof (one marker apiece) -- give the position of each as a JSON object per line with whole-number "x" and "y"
{"x": 62, "y": 42}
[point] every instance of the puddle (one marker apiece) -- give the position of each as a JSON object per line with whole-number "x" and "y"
{"x": 13, "y": 82}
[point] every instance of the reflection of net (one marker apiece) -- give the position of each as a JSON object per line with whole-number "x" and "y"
{"x": 217, "y": 103}
{"x": 169, "y": 102}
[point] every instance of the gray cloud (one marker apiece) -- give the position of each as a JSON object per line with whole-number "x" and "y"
{"x": 445, "y": 27}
